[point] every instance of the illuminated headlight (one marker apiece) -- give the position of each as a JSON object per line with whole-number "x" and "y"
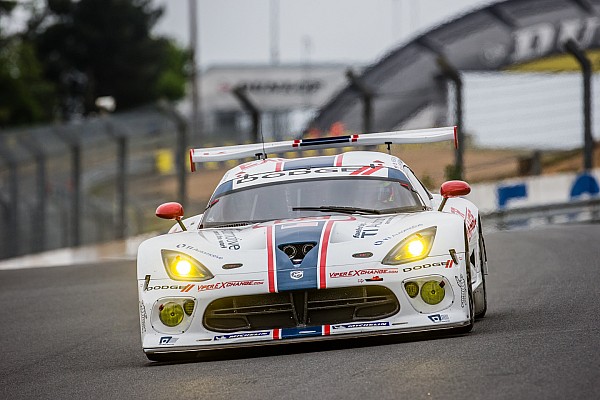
{"x": 182, "y": 267}
{"x": 415, "y": 247}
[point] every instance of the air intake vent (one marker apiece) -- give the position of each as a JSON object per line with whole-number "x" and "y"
{"x": 300, "y": 308}
{"x": 297, "y": 251}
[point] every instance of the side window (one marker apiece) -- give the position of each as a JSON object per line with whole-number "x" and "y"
{"x": 416, "y": 183}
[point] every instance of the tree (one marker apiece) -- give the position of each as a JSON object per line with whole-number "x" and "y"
{"x": 26, "y": 96}
{"x": 93, "y": 48}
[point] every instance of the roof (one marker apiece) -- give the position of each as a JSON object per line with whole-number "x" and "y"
{"x": 372, "y": 160}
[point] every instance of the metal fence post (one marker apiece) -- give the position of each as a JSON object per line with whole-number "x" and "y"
{"x": 38, "y": 236}
{"x": 453, "y": 74}
{"x": 248, "y": 105}
{"x": 586, "y": 70}
{"x": 75, "y": 149}
{"x": 367, "y": 98}
{"x": 12, "y": 206}
{"x": 121, "y": 181}
{"x": 180, "y": 148}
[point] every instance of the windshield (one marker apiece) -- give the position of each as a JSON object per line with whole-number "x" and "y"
{"x": 314, "y": 197}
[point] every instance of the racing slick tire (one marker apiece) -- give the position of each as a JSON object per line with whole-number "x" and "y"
{"x": 480, "y": 294}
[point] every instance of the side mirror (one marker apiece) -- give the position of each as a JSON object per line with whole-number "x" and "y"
{"x": 171, "y": 210}
{"x": 453, "y": 189}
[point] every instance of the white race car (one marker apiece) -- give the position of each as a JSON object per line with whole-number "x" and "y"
{"x": 316, "y": 248}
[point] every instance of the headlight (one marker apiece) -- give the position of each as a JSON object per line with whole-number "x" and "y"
{"x": 182, "y": 267}
{"x": 415, "y": 247}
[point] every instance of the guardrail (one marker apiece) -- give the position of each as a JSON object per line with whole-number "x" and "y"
{"x": 526, "y": 217}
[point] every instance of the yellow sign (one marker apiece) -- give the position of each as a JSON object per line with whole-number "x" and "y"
{"x": 560, "y": 63}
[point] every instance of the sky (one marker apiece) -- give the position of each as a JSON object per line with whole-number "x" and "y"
{"x": 354, "y": 31}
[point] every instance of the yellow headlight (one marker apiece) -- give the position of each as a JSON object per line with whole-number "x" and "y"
{"x": 182, "y": 267}
{"x": 415, "y": 247}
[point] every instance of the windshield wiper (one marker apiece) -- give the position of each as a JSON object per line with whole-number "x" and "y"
{"x": 340, "y": 209}
{"x": 407, "y": 209}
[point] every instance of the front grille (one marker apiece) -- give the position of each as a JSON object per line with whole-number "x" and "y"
{"x": 300, "y": 308}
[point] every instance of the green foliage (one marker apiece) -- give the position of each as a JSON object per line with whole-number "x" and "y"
{"x": 26, "y": 96}
{"x": 93, "y": 48}
{"x": 452, "y": 173}
{"x": 427, "y": 181}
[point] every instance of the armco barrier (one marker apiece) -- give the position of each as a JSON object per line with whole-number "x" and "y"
{"x": 535, "y": 191}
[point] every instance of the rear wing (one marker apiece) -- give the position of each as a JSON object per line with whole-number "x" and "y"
{"x": 260, "y": 150}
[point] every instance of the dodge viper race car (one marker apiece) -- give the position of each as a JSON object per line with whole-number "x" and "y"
{"x": 304, "y": 249}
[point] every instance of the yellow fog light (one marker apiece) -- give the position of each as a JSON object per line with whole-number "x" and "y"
{"x": 171, "y": 314}
{"x": 432, "y": 292}
{"x": 412, "y": 289}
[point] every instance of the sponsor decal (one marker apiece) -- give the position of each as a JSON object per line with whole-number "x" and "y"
{"x": 368, "y": 229}
{"x": 471, "y": 223}
{"x": 143, "y": 316}
{"x": 360, "y": 325}
{"x": 197, "y": 250}
{"x": 457, "y": 212}
{"x": 445, "y": 264}
{"x": 252, "y": 164}
{"x": 302, "y": 86}
{"x": 297, "y": 274}
{"x": 227, "y": 240}
{"x": 167, "y": 287}
{"x": 436, "y": 318}
{"x": 167, "y": 340}
{"x": 461, "y": 282}
{"x": 361, "y": 272}
{"x": 367, "y": 170}
{"x": 380, "y": 242}
{"x": 449, "y": 264}
{"x": 301, "y": 172}
{"x": 541, "y": 39}
{"x": 187, "y": 288}
{"x": 374, "y": 279}
{"x": 242, "y": 335}
{"x": 225, "y": 285}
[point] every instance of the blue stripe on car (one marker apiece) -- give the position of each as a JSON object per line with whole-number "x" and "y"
{"x": 317, "y": 162}
{"x": 398, "y": 176}
{"x": 287, "y": 333}
{"x": 223, "y": 188}
{"x": 298, "y": 232}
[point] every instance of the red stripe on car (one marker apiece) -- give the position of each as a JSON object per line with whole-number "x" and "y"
{"x": 271, "y": 258}
{"x": 323, "y": 254}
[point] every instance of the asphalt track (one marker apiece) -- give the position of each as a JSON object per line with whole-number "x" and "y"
{"x": 72, "y": 333}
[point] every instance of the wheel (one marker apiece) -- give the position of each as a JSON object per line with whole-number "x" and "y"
{"x": 469, "y": 327}
{"x": 480, "y": 295}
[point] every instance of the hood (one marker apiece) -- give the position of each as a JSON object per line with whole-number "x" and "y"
{"x": 327, "y": 243}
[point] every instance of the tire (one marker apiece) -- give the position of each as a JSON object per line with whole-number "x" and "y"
{"x": 469, "y": 327}
{"x": 480, "y": 295}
